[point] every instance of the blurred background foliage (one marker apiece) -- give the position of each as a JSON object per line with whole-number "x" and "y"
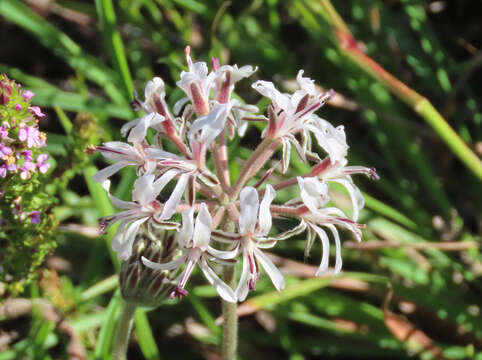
{"x": 410, "y": 290}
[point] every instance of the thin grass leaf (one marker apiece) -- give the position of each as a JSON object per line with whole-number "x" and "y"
{"x": 146, "y": 339}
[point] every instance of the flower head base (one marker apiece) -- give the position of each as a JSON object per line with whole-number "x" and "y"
{"x": 179, "y": 182}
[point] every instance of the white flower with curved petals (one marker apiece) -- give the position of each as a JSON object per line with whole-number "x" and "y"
{"x": 125, "y": 155}
{"x": 254, "y": 224}
{"x": 194, "y": 239}
{"x": 143, "y": 208}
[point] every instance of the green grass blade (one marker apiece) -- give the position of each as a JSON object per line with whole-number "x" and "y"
{"x": 107, "y": 331}
{"x": 146, "y": 340}
{"x": 113, "y": 42}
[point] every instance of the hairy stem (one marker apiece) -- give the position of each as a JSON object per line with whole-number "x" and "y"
{"x": 123, "y": 333}
{"x": 230, "y": 324}
{"x": 255, "y": 162}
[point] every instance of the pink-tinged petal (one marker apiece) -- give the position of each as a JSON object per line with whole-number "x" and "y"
{"x": 184, "y": 235}
{"x": 270, "y": 268}
{"x": 22, "y": 134}
{"x": 171, "y": 204}
{"x": 36, "y": 111}
{"x": 221, "y": 287}
{"x": 154, "y": 86}
{"x": 203, "y": 227}
{"x": 110, "y": 170}
{"x": 171, "y": 265}
{"x": 18, "y": 107}
{"x": 357, "y": 199}
{"x": 325, "y": 252}
{"x": 242, "y": 289}
{"x": 128, "y": 126}
{"x": 249, "y": 202}
{"x": 338, "y": 259}
{"x": 265, "y": 219}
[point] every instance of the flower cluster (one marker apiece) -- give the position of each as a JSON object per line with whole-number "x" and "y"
{"x": 20, "y": 138}
{"x": 26, "y": 225}
{"x": 224, "y": 222}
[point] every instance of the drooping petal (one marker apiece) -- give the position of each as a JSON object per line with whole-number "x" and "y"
{"x": 143, "y": 191}
{"x": 270, "y": 268}
{"x": 265, "y": 219}
{"x": 357, "y": 199}
{"x": 286, "y": 155}
{"x": 325, "y": 255}
{"x": 224, "y": 255}
{"x": 202, "y": 228}
{"x": 266, "y": 88}
{"x": 338, "y": 259}
{"x": 122, "y": 241}
{"x": 171, "y": 265}
{"x": 171, "y": 204}
{"x": 221, "y": 287}
{"x": 249, "y": 202}
{"x": 242, "y": 289}
{"x": 179, "y": 104}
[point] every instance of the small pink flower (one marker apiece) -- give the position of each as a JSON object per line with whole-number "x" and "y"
{"x": 42, "y": 164}
{"x": 3, "y": 132}
{"x": 5, "y": 150}
{"x": 37, "y": 111}
{"x": 18, "y": 107}
{"x": 27, "y": 95}
{"x": 31, "y": 135}
{"x": 27, "y": 155}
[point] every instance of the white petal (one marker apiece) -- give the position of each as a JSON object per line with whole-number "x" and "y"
{"x": 138, "y": 133}
{"x": 270, "y": 268}
{"x": 110, "y": 170}
{"x": 165, "y": 178}
{"x": 267, "y": 89}
{"x": 357, "y": 199}
{"x": 325, "y": 255}
{"x": 187, "y": 230}
{"x": 338, "y": 261}
{"x": 221, "y": 287}
{"x": 143, "y": 190}
{"x": 211, "y": 124}
{"x": 286, "y": 155}
{"x": 171, "y": 204}
{"x": 179, "y": 104}
{"x": 224, "y": 255}
{"x": 313, "y": 192}
{"x": 242, "y": 289}
{"x": 171, "y": 265}
{"x": 249, "y": 202}
{"x": 122, "y": 242}
{"x": 265, "y": 219}
{"x": 203, "y": 227}
{"x": 126, "y": 127}
{"x": 156, "y": 85}
{"x": 306, "y": 84}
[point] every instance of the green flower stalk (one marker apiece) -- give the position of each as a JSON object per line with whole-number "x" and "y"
{"x": 26, "y": 225}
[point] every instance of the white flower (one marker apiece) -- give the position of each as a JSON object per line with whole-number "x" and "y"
{"x": 196, "y": 83}
{"x": 292, "y": 114}
{"x": 254, "y": 225}
{"x": 315, "y": 195}
{"x": 137, "y": 128}
{"x": 125, "y": 155}
{"x": 143, "y": 208}
{"x": 194, "y": 240}
{"x": 226, "y": 77}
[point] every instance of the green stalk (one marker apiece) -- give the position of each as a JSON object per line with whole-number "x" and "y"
{"x": 123, "y": 333}
{"x": 421, "y": 105}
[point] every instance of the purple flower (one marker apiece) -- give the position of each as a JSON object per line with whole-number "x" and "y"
{"x": 27, "y": 95}
{"x": 37, "y": 111}
{"x": 3, "y": 132}
{"x": 35, "y": 217}
{"x": 42, "y": 164}
{"x": 5, "y": 150}
{"x": 27, "y": 155}
{"x": 18, "y": 107}
{"x": 31, "y": 135}
{"x": 3, "y": 170}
